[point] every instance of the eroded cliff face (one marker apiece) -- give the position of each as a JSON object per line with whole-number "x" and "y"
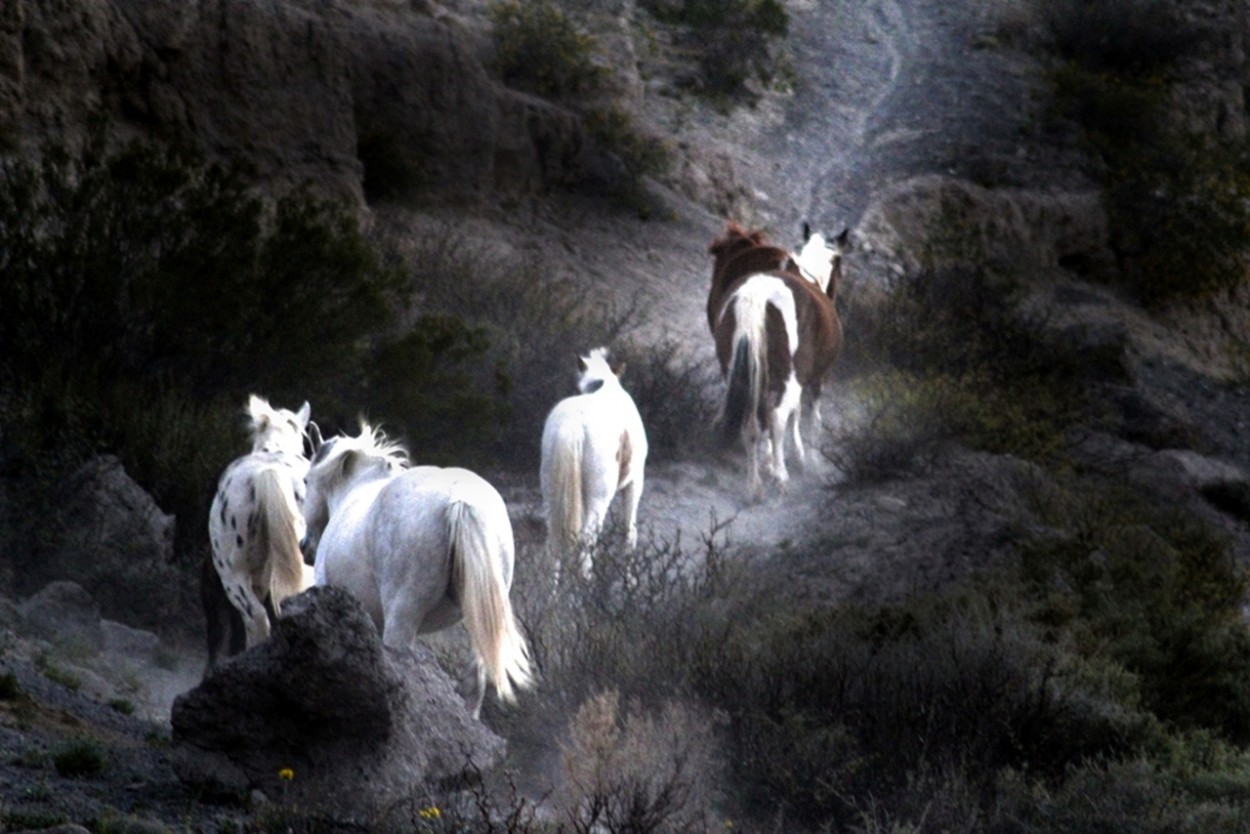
{"x": 290, "y": 87}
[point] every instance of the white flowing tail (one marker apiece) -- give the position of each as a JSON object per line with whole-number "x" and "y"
{"x": 274, "y": 551}
{"x": 488, "y": 617}
{"x": 564, "y": 493}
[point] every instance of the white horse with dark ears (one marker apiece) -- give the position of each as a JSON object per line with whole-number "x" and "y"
{"x": 594, "y": 445}
{"x": 422, "y": 548}
{"x": 256, "y": 521}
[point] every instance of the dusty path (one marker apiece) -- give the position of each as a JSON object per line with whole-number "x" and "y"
{"x": 885, "y": 90}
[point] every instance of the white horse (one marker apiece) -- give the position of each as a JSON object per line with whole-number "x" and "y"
{"x": 422, "y": 548}
{"x": 594, "y": 445}
{"x": 256, "y": 521}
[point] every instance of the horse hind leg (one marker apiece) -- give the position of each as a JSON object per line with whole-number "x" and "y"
{"x": 251, "y": 609}
{"x": 632, "y": 496}
{"x": 473, "y": 703}
{"x": 779, "y": 423}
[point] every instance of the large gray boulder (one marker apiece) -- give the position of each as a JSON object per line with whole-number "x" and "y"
{"x": 65, "y": 614}
{"x": 112, "y": 539}
{"x": 359, "y": 726}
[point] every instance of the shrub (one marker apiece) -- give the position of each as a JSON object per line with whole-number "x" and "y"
{"x": 638, "y": 156}
{"x": 626, "y": 771}
{"x": 731, "y": 38}
{"x": 10, "y": 689}
{"x": 1177, "y": 205}
{"x": 1155, "y": 591}
{"x": 458, "y": 409}
{"x": 947, "y": 356}
{"x": 541, "y": 50}
{"x": 148, "y": 291}
{"x": 81, "y": 757}
{"x": 829, "y": 708}
{"x": 531, "y": 326}
{"x": 1180, "y": 219}
{"x": 393, "y": 168}
{"x": 1120, "y": 36}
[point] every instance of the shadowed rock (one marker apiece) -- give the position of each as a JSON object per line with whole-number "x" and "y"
{"x": 360, "y": 726}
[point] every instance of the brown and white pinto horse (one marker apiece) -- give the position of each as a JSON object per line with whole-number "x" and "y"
{"x": 777, "y": 334}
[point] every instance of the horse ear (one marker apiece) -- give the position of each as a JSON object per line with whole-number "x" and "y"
{"x": 256, "y": 406}
{"x": 581, "y": 365}
{"x": 315, "y": 439}
{"x": 258, "y": 409}
{"x": 304, "y": 413}
{"x": 844, "y": 236}
{"x": 807, "y": 231}
{"x": 618, "y": 370}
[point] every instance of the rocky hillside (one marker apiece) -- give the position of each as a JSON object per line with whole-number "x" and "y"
{"x": 928, "y": 128}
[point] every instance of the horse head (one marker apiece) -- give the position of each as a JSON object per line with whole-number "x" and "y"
{"x": 339, "y": 464}
{"x": 594, "y": 371}
{"x": 820, "y": 262}
{"x": 276, "y": 429}
{"x": 734, "y": 240}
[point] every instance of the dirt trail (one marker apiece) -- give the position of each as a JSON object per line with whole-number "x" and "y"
{"x": 879, "y": 94}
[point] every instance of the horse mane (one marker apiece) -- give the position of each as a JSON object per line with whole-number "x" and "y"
{"x": 373, "y": 442}
{"x": 736, "y": 235}
{"x": 596, "y": 367}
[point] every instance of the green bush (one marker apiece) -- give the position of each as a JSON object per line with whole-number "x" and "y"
{"x": 1177, "y": 205}
{"x": 541, "y": 50}
{"x": 10, "y": 689}
{"x": 732, "y": 39}
{"x": 458, "y": 411}
{"x": 80, "y": 757}
{"x": 1180, "y": 219}
{"x": 1156, "y": 592}
{"x": 947, "y": 356}
{"x": 1120, "y": 36}
{"x": 1110, "y": 650}
{"x": 148, "y": 291}
{"x": 394, "y": 169}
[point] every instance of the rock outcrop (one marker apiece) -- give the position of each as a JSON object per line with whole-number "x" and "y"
{"x": 290, "y": 87}
{"x": 110, "y": 537}
{"x": 942, "y": 219}
{"x": 359, "y": 727}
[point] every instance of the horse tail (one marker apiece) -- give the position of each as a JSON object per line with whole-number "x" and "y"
{"x": 477, "y": 570}
{"x": 747, "y": 366}
{"x": 277, "y": 537}
{"x": 563, "y": 491}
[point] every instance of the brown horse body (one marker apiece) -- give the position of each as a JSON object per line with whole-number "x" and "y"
{"x": 777, "y": 337}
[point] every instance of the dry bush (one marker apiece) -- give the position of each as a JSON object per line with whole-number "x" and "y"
{"x": 531, "y": 325}
{"x": 629, "y": 771}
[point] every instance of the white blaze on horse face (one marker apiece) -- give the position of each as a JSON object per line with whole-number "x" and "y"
{"x": 815, "y": 261}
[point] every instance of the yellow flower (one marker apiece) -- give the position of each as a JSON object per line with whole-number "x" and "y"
{"x": 286, "y": 774}
{"x": 431, "y": 813}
